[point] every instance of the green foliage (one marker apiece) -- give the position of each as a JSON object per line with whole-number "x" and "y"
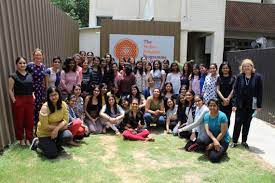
{"x": 77, "y": 9}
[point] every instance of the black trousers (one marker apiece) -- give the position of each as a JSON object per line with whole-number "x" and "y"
{"x": 215, "y": 156}
{"x": 51, "y": 147}
{"x": 242, "y": 121}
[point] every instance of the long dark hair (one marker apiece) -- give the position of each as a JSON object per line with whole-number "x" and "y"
{"x": 174, "y": 63}
{"x": 66, "y": 67}
{"x": 50, "y": 90}
{"x": 108, "y": 107}
{"x": 166, "y": 103}
{"x": 99, "y": 98}
{"x": 221, "y": 66}
{"x": 196, "y": 66}
{"x": 138, "y": 95}
{"x": 189, "y": 71}
{"x": 160, "y": 66}
{"x": 140, "y": 70}
{"x": 164, "y": 88}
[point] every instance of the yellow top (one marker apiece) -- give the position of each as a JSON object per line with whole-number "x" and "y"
{"x": 46, "y": 118}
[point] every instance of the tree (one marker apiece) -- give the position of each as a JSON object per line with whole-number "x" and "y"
{"x": 77, "y": 9}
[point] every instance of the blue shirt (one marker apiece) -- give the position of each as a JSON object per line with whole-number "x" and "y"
{"x": 215, "y": 124}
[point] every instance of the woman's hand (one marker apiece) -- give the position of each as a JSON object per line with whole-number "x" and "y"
{"x": 210, "y": 146}
{"x": 54, "y": 133}
{"x": 193, "y": 136}
{"x": 234, "y": 109}
{"x": 217, "y": 145}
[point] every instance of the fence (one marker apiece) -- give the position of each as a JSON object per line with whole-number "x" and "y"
{"x": 265, "y": 65}
{"x": 24, "y": 26}
{"x": 139, "y": 28}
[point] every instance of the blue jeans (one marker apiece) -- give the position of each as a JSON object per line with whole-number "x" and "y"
{"x": 159, "y": 120}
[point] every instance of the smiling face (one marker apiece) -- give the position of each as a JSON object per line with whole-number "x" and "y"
{"x": 37, "y": 57}
{"x": 170, "y": 103}
{"x": 134, "y": 91}
{"x": 225, "y": 69}
{"x": 213, "y": 69}
{"x": 96, "y": 92}
{"x": 156, "y": 93}
{"x": 134, "y": 105}
{"x": 85, "y": 64}
{"x": 213, "y": 107}
{"x": 54, "y": 96}
{"x": 56, "y": 63}
{"x": 168, "y": 88}
{"x": 247, "y": 68}
{"x": 189, "y": 96}
{"x": 72, "y": 102}
{"x": 77, "y": 91}
{"x": 198, "y": 101}
{"x": 111, "y": 101}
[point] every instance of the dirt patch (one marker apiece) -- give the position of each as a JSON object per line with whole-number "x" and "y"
{"x": 108, "y": 144}
{"x": 192, "y": 178}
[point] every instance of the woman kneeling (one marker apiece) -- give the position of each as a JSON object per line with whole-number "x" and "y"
{"x": 216, "y": 126}
{"x": 52, "y": 126}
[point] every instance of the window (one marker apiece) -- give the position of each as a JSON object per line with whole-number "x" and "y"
{"x": 99, "y": 19}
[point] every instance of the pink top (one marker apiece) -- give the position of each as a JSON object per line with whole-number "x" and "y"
{"x": 79, "y": 70}
{"x": 68, "y": 80}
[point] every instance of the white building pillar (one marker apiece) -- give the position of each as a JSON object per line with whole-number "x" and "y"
{"x": 217, "y": 47}
{"x": 183, "y": 46}
{"x": 92, "y": 13}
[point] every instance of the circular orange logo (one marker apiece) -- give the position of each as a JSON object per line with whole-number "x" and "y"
{"x": 126, "y": 48}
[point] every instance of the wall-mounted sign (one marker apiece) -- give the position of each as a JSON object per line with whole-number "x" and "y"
{"x": 137, "y": 46}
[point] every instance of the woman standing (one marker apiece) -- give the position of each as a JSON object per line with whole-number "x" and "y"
{"x": 248, "y": 91}
{"x": 86, "y": 76}
{"x": 92, "y": 107}
{"x": 69, "y": 77}
{"x": 96, "y": 75}
{"x": 225, "y": 90}
{"x": 186, "y": 72}
{"x": 37, "y": 70}
{"x": 52, "y": 129}
{"x": 216, "y": 126}
{"x": 112, "y": 114}
{"x": 140, "y": 76}
{"x": 195, "y": 80}
{"x": 154, "y": 109}
{"x": 127, "y": 80}
{"x": 133, "y": 124}
{"x": 53, "y": 73}
{"x": 210, "y": 84}
{"x": 148, "y": 68}
{"x": 174, "y": 77}
{"x": 116, "y": 74}
{"x": 158, "y": 75}
{"x": 22, "y": 96}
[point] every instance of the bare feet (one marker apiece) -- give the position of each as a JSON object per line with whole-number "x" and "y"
{"x": 118, "y": 133}
{"x": 28, "y": 143}
{"x": 73, "y": 143}
{"x": 104, "y": 130}
{"x": 149, "y": 139}
{"x": 22, "y": 142}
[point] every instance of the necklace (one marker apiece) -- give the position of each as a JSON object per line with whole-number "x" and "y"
{"x": 247, "y": 81}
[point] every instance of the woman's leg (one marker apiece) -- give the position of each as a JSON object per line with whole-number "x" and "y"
{"x": 18, "y": 117}
{"x": 215, "y": 156}
{"x": 240, "y": 115}
{"x": 246, "y": 124}
{"x": 29, "y": 123}
{"x": 48, "y": 147}
{"x": 148, "y": 119}
{"x": 144, "y": 133}
{"x": 161, "y": 121}
{"x": 128, "y": 135}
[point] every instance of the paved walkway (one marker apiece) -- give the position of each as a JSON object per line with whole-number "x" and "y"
{"x": 261, "y": 139}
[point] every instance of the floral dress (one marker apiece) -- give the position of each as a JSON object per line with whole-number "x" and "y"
{"x": 38, "y": 73}
{"x": 209, "y": 88}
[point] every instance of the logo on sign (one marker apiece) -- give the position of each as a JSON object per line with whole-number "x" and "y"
{"x": 126, "y": 48}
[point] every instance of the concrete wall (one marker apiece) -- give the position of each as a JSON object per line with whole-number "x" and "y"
{"x": 89, "y": 40}
{"x": 204, "y": 16}
{"x": 249, "y": 1}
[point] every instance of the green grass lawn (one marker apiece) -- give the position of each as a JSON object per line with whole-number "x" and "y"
{"x": 108, "y": 158}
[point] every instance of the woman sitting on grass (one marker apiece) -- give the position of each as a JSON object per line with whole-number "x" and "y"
{"x": 154, "y": 109}
{"x": 133, "y": 124}
{"x": 112, "y": 114}
{"x": 198, "y": 142}
{"x": 171, "y": 114}
{"x": 52, "y": 129}
{"x": 216, "y": 126}
{"x": 76, "y": 125}
{"x": 92, "y": 106}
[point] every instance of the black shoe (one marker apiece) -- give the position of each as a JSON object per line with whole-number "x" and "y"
{"x": 233, "y": 145}
{"x": 245, "y": 145}
{"x": 60, "y": 149}
{"x": 34, "y": 144}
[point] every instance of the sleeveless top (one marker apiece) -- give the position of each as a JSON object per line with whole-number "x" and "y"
{"x": 153, "y": 106}
{"x": 22, "y": 84}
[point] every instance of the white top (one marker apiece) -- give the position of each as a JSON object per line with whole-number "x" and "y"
{"x": 52, "y": 76}
{"x": 174, "y": 78}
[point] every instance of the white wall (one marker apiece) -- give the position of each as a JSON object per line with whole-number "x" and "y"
{"x": 250, "y": 1}
{"x": 167, "y": 10}
{"x": 89, "y": 40}
{"x": 205, "y": 16}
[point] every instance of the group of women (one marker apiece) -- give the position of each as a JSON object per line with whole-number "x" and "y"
{"x": 91, "y": 94}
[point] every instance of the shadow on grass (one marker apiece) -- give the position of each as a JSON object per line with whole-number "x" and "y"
{"x": 256, "y": 150}
{"x": 205, "y": 158}
{"x": 61, "y": 156}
